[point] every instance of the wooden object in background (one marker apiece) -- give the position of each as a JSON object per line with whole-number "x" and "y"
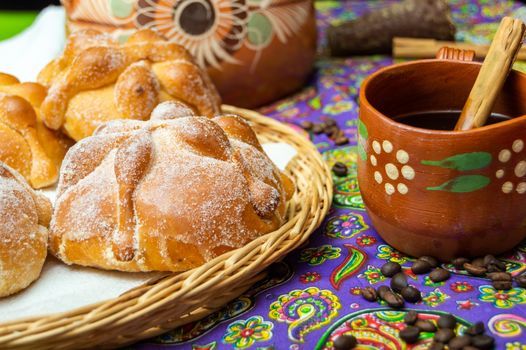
{"x": 494, "y": 71}
{"x": 427, "y": 48}
{"x": 373, "y": 32}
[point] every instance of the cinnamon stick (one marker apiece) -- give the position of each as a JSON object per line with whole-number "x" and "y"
{"x": 427, "y": 48}
{"x": 496, "y": 67}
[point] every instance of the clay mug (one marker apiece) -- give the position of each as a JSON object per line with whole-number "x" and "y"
{"x": 442, "y": 193}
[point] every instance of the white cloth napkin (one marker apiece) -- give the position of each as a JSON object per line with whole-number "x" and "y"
{"x": 25, "y": 54}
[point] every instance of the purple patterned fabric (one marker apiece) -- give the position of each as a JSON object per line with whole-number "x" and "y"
{"x": 314, "y": 298}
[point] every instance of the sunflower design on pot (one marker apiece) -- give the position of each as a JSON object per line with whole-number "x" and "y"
{"x": 213, "y": 30}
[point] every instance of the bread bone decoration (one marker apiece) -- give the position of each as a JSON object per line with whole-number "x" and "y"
{"x": 26, "y": 144}
{"x": 373, "y": 32}
{"x": 24, "y": 217}
{"x": 165, "y": 194}
{"x": 97, "y": 80}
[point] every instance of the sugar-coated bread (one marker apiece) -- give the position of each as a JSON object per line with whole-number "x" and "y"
{"x": 24, "y": 218}
{"x": 98, "y": 80}
{"x": 26, "y": 144}
{"x": 165, "y": 194}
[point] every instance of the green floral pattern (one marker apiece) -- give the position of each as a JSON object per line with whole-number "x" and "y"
{"x": 318, "y": 255}
{"x": 502, "y": 299}
{"x": 243, "y": 334}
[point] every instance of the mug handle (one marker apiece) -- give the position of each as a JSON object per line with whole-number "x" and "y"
{"x": 450, "y": 53}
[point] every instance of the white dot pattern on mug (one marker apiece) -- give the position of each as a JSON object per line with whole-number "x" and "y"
{"x": 393, "y": 171}
{"x": 378, "y": 177}
{"x": 518, "y": 169}
{"x": 387, "y": 146}
{"x": 504, "y": 155}
{"x": 376, "y": 147}
{"x": 518, "y": 146}
{"x": 507, "y": 187}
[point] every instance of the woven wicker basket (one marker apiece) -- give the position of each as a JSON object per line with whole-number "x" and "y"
{"x": 176, "y": 299}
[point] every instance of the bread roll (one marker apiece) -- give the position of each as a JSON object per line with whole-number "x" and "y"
{"x": 165, "y": 194}
{"x": 25, "y": 143}
{"x": 97, "y": 80}
{"x": 24, "y": 217}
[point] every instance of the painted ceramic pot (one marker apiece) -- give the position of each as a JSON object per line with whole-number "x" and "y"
{"x": 256, "y": 50}
{"x": 442, "y": 193}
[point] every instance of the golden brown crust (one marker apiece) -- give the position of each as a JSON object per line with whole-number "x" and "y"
{"x": 27, "y": 145}
{"x": 165, "y": 194}
{"x": 24, "y": 216}
{"x": 97, "y": 80}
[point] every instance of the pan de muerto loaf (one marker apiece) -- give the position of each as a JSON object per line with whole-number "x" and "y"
{"x": 165, "y": 194}
{"x": 97, "y": 80}
{"x": 24, "y": 216}
{"x": 26, "y": 144}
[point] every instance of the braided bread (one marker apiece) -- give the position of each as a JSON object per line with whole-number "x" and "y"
{"x": 24, "y": 216}
{"x": 97, "y": 80}
{"x": 166, "y": 194}
{"x": 26, "y": 144}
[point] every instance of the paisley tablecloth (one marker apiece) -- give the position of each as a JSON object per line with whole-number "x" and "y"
{"x": 316, "y": 295}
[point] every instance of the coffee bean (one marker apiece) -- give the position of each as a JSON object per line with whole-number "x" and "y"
{"x": 500, "y": 264}
{"x": 425, "y": 326}
{"x": 306, "y": 125}
{"x": 345, "y": 342}
{"x": 489, "y": 259}
{"x": 475, "y": 270}
{"x": 411, "y": 317}
{"x": 459, "y": 342}
{"x": 447, "y": 321}
{"x": 409, "y": 334}
{"x": 341, "y": 141}
{"x": 339, "y": 169}
{"x": 369, "y": 294}
{"x": 499, "y": 276}
{"x": 493, "y": 268}
{"x": 420, "y": 267}
{"x": 393, "y": 300}
{"x": 318, "y": 128}
{"x": 458, "y": 263}
{"x": 478, "y": 262}
{"x": 331, "y": 131}
{"x": 483, "y": 342}
{"x": 411, "y": 294}
{"x": 521, "y": 281}
{"x": 382, "y": 290}
{"x": 430, "y": 260}
{"x": 435, "y": 345}
{"x": 390, "y": 269}
{"x": 502, "y": 285}
{"x": 398, "y": 282}
{"x": 444, "y": 335}
{"x": 330, "y": 122}
{"x": 439, "y": 275}
{"x": 476, "y": 329}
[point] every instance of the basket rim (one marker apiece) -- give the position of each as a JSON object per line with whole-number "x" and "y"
{"x": 47, "y": 331}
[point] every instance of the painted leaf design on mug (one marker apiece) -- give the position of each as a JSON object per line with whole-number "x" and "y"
{"x": 463, "y": 184}
{"x": 363, "y": 135}
{"x": 463, "y": 161}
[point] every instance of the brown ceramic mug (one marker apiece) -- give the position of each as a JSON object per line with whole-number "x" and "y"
{"x": 438, "y": 192}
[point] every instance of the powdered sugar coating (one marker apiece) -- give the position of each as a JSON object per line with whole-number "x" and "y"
{"x": 164, "y": 195}
{"x": 23, "y": 241}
